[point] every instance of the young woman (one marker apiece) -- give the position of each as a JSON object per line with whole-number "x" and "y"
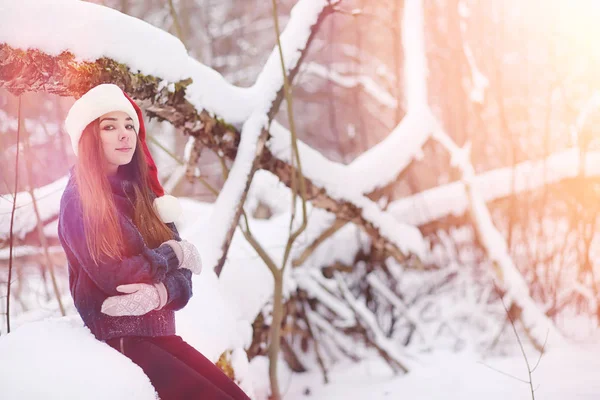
{"x": 129, "y": 271}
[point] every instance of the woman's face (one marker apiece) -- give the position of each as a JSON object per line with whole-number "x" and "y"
{"x": 118, "y": 138}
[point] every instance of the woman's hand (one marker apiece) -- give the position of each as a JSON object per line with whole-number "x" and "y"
{"x": 140, "y": 299}
{"x": 191, "y": 257}
{"x": 187, "y": 254}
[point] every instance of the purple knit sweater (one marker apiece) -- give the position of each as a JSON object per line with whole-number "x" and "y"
{"x": 92, "y": 283}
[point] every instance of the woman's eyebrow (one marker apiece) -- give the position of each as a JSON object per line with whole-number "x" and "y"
{"x": 114, "y": 119}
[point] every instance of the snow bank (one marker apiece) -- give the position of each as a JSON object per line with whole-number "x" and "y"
{"x": 60, "y": 359}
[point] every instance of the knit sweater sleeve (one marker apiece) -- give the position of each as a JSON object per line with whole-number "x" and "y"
{"x": 147, "y": 266}
{"x": 179, "y": 288}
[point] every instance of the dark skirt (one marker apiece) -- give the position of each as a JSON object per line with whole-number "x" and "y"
{"x": 177, "y": 370}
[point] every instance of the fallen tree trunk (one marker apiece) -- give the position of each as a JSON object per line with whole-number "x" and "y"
{"x": 32, "y": 70}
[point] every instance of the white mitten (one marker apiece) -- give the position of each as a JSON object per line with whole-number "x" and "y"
{"x": 191, "y": 257}
{"x": 140, "y": 299}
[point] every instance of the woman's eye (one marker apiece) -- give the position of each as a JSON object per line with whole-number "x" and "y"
{"x": 129, "y": 126}
{"x": 108, "y": 127}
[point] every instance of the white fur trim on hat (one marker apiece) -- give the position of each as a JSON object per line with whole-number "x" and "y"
{"x": 168, "y": 208}
{"x": 98, "y": 101}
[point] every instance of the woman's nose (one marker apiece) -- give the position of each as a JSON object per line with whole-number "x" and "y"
{"x": 123, "y": 135}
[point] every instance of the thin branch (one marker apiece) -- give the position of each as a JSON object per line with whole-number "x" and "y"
{"x": 163, "y": 148}
{"x": 384, "y": 346}
{"x": 40, "y": 229}
{"x": 223, "y": 166}
{"x": 176, "y": 22}
{"x": 203, "y": 181}
{"x": 512, "y": 323}
{"x": 333, "y": 334}
{"x": 315, "y": 341}
{"x": 295, "y": 156}
{"x": 336, "y": 226}
{"x": 397, "y": 303}
{"x": 529, "y": 369}
{"x": 541, "y": 354}
{"x": 262, "y": 253}
{"x": 12, "y": 219}
{"x": 503, "y": 373}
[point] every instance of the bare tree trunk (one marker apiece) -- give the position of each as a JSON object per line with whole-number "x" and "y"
{"x": 297, "y": 183}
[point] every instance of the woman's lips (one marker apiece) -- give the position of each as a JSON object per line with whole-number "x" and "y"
{"x": 124, "y": 149}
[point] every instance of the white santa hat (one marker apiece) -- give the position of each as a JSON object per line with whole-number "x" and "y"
{"x": 107, "y": 98}
{"x": 98, "y": 101}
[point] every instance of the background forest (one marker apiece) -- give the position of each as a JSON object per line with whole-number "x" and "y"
{"x": 448, "y": 189}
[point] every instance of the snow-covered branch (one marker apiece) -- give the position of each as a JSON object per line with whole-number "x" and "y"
{"x": 314, "y": 288}
{"x": 48, "y": 200}
{"x": 378, "y": 93}
{"x": 387, "y": 348}
{"x": 295, "y": 39}
{"x": 400, "y": 305}
{"x": 327, "y": 188}
{"x": 384, "y": 162}
{"x": 74, "y": 43}
{"x": 537, "y": 325}
{"x": 451, "y": 199}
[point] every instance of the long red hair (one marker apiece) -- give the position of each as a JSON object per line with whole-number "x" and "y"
{"x": 103, "y": 233}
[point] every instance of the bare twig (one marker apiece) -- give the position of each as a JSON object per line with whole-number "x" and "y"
{"x": 200, "y": 179}
{"x": 398, "y": 304}
{"x": 336, "y": 226}
{"x": 315, "y": 341}
{"x": 158, "y": 144}
{"x": 39, "y": 227}
{"x": 12, "y": 220}
{"x": 540, "y": 357}
{"x": 503, "y": 373}
{"x": 176, "y": 22}
{"x": 374, "y": 335}
{"x": 529, "y": 369}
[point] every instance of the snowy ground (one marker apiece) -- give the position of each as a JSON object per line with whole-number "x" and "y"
{"x": 58, "y": 358}
{"x": 568, "y": 373}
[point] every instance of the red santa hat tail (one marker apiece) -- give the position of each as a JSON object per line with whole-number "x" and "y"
{"x": 166, "y": 206}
